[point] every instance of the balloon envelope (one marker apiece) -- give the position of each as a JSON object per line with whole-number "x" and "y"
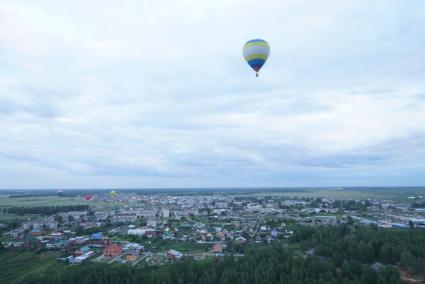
{"x": 256, "y": 52}
{"x": 88, "y": 197}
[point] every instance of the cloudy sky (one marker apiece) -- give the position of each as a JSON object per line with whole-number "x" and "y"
{"x": 157, "y": 94}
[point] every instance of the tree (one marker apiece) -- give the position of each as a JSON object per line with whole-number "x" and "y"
{"x": 58, "y": 218}
{"x": 71, "y": 219}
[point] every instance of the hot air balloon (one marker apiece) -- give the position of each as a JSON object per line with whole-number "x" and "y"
{"x": 88, "y": 197}
{"x": 113, "y": 194}
{"x": 256, "y": 52}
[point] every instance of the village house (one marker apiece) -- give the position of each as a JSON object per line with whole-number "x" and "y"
{"x": 151, "y": 222}
{"x": 73, "y": 214}
{"x": 132, "y": 251}
{"x": 124, "y": 218}
{"x": 102, "y": 215}
{"x": 17, "y": 234}
{"x": 240, "y": 240}
{"x": 217, "y": 248}
{"x": 174, "y": 255}
{"x": 112, "y": 250}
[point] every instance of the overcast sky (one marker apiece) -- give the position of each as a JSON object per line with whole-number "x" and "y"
{"x": 157, "y": 94}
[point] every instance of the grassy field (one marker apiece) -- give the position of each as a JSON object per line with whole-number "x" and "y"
{"x": 32, "y": 202}
{"x": 159, "y": 245}
{"x": 40, "y": 201}
{"x": 15, "y": 265}
{"x": 397, "y": 194}
{"x": 381, "y": 194}
{"x": 336, "y": 194}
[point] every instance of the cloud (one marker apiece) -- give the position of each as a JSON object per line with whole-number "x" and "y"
{"x": 140, "y": 93}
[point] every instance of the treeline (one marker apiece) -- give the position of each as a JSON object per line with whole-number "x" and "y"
{"x": 272, "y": 264}
{"x": 316, "y": 255}
{"x": 418, "y": 205}
{"x": 266, "y": 265}
{"x": 27, "y": 195}
{"x": 46, "y": 210}
{"x": 371, "y": 244}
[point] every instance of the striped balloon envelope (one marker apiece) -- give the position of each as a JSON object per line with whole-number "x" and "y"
{"x": 256, "y": 52}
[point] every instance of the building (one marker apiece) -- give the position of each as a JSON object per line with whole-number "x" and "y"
{"x": 133, "y": 247}
{"x": 399, "y": 225}
{"x": 74, "y": 214}
{"x": 124, "y": 218}
{"x": 240, "y": 240}
{"x": 136, "y": 232}
{"x": 89, "y": 225}
{"x": 166, "y": 213}
{"x": 97, "y": 236}
{"x": 221, "y": 236}
{"x": 102, "y": 215}
{"x": 130, "y": 257}
{"x": 112, "y": 250}
{"x": 36, "y": 232}
{"x": 132, "y": 251}
{"x": 217, "y": 248}
{"x": 174, "y": 255}
{"x": 417, "y": 222}
{"x": 26, "y": 226}
{"x": 148, "y": 213}
{"x": 80, "y": 258}
{"x": 151, "y": 222}
{"x": 16, "y": 234}
{"x": 41, "y": 223}
{"x": 82, "y": 251}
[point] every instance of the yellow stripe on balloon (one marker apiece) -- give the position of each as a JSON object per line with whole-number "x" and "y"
{"x": 256, "y": 56}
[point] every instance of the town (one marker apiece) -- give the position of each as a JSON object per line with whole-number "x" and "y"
{"x": 133, "y": 228}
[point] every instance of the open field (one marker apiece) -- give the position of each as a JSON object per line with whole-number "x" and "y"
{"x": 340, "y": 193}
{"x": 393, "y": 193}
{"x": 336, "y": 194}
{"x": 159, "y": 245}
{"x": 40, "y": 201}
{"x": 6, "y": 202}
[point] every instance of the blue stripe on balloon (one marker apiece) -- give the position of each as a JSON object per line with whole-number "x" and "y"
{"x": 256, "y": 63}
